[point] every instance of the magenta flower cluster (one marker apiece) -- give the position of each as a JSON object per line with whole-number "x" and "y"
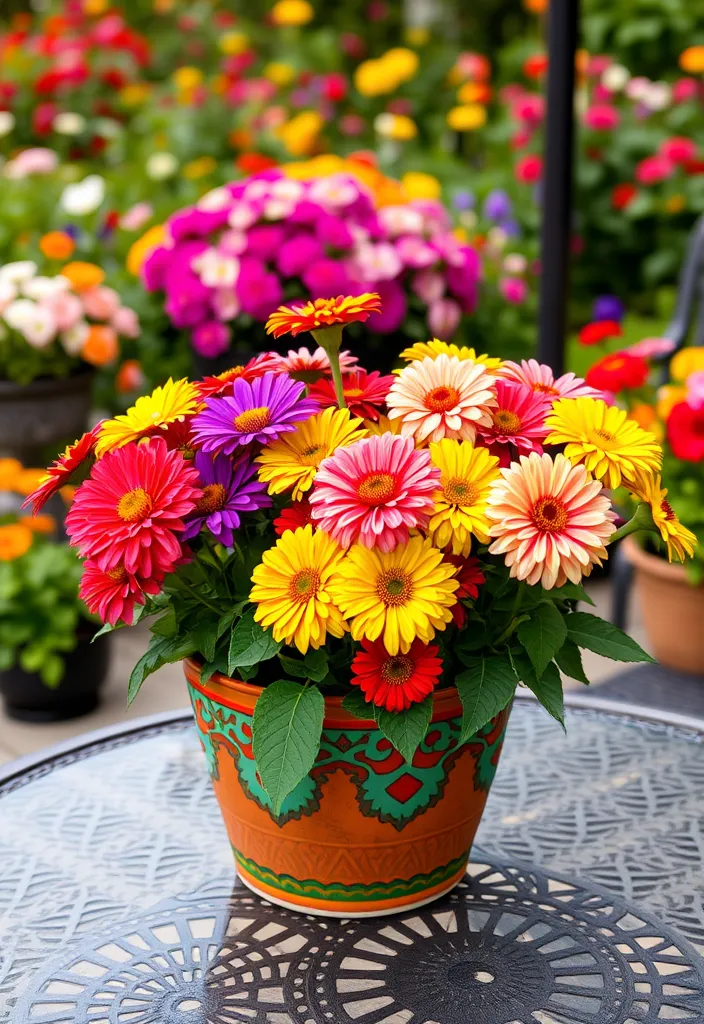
{"x": 246, "y": 247}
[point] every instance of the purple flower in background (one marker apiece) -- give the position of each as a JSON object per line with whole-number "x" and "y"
{"x": 297, "y": 254}
{"x": 608, "y": 307}
{"x": 497, "y": 205}
{"x": 464, "y": 200}
{"x": 511, "y": 227}
{"x": 229, "y": 487}
{"x": 211, "y": 339}
{"x": 258, "y": 290}
{"x": 259, "y": 410}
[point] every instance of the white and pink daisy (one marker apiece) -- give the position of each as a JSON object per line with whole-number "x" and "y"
{"x": 374, "y": 492}
{"x": 550, "y": 520}
{"x": 518, "y": 421}
{"x": 652, "y": 348}
{"x": 540, "y": 377}
{"x": 316, "y": 362}
{"x": 443, "y": 397}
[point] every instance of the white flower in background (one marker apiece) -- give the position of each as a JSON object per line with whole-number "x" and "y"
{"x": 637, "y": 87}
{"x": 615, "y": 77}
{"x": 216, "y": 270}
{"x": 257, "y": 190}
{"x": 515, "y": 263}
{"x": 581, "y": 101}
{"x": 334, "y": 192}
{"x": 42, "y": 287}
{"x": 496, "y": 239}
{"x": 226, "y": 304}
{"x": 7, "y": 122}
{"x": 161, "y": 166}
{"x": 378, "y": 262}
{"x": 108, "y": 127}
{"x": 36, "y": 160}
{"x": 74, "y": 338}
{"x": 33, "y": 321}
{"x": 242, "y": 217}
{"x": 8, "y": 294}
{"x": 287, "y": 190}
{"x": 83, "y": 197}
{"x": 657, "y": 96}
{"x": 136, "y": 216}
{"x": 400, "y": 220}
{"x": 278, "y": 209}
{"x": 216, "y": 199}
{"x": 384, "y": 124}
{"x": 18, "y": 272}
{"x": 69, "y": 123}
{"x": 468, "y": 219}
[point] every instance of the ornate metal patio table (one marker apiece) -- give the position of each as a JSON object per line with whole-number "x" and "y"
{"x": 583, "y": 904}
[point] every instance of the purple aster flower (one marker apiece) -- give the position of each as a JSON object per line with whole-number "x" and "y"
{"x": 229, "y": 487}
{"x": 464, "y": 200}
{"x": 259, "y": 410}
{"x": 497, "y": 205}
{"x": 608, "y": 307}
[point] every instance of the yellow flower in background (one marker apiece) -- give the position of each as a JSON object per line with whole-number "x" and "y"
{"x": 417, "y": 35}
{"x": 9, "y": 472}
{"x": 279, "y": 73}
{"x": 292, "y": 13}
{"x": 94, "y": 7}
{"x": 692, "y": 60}
{"x": 402, "y": 62}
{"x": 163, "y": 6}
{"x": 398, "y": 127}
{"x": 422, "y": 349}
{"x": 301, "y": 133}
{"x": 371, "y": 78}
{"x": 134, "y": 94}
{"x": 419, "y": 185}
{"x": 471, "y": 92}
{"x": 669, "y": 396}
{"x": 219, "y": 85}
{"x": 675, "y": 204}
{"x": 466, "y": 118}
{"x": 150, "y": 413}
{"x": 602, "y": 437}
{"x": 680, "y": 541}
{"x": 15, "y": 540}
{"x": 233, "y": 43}
{"x": 199, "y": 168}
{"x": 686, "y": 362}
{"x": 317, "y": 167}
{"x": 187, "y": 78}
{"x": 140, "y": 249}
{"x": 291, "y": 589}
{"x": 460, "y": 503}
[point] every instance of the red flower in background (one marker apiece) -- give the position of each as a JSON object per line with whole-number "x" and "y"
{"x": 593, "y": 334}
{"x": 617, "y": 372}
{"x": 529, "y": 169}
{"x": 396, "y": 681}
{"x": 253, "y": 163}
{"x": 622, "y": 195}
{"x": 365, "y": 393}
{"x": 63, "y": 468}
{"x": 535, "y": 66}
{"x": 296, "y": 515}
{"x": 685, "y": 432}
{"x": 470, "y": 576}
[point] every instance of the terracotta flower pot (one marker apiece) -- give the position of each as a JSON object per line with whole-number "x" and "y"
{"x": 364, "y": 833}
{"x": 673, "y": 610}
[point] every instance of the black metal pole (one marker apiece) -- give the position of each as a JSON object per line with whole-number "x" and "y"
{"x": 557, "y": 182}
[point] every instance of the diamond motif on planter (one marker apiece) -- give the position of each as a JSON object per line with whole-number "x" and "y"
{"x": 405, "y": 787}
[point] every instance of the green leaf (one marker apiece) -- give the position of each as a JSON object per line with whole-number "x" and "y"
{"x": 603, "y": 638}
{"x": 166, "y": 624}
{"x": 52, "y": 671}
{"x": 217, "y": 664}
{"x": 161, "y": 651}
{"x": 572, "y": 592}
{"x": 569, "y": 661}
{"x": 250, "y": 644}
{"x": 548, "y": 690}
{"x": 406, "y": 729}
{"x": 485, "y": 689}
{"x": 542, "y": 635}
{"x": 314, "y": 666}
{"x": 286, "y": 729}
{"x": 356, "y": 705}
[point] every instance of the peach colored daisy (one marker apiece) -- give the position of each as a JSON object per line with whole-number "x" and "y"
{"x": 442, "y": 397}
{"x": 551, "y": 520}
{"x": 316, "y": 363}
{"x": 539, "y": 377}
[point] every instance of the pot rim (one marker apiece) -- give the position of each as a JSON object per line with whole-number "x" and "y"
{"x": 654, "y": 565}
{"x": 41, "y": 386}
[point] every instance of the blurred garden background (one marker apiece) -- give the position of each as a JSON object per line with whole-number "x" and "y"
{"x": 370, "y": 144}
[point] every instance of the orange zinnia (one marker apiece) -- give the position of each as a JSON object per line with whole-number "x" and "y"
{"x": 15, "y": 539}
{"x": 100, "y": 346}
{"x": 57, "y": 245}
{"x": 83, "y": 275}
{"x": 311, "y": 316}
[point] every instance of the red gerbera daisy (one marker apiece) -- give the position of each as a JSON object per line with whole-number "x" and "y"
{"x": 297, "y": 514}
{"x": 265, "y": 362}
{"x": 470, "y": 576}
{"x": 129, "y": 512}
{"x": 62, "y": 469}
{"x": 685, "y": 432}
{"x": 364, "y": 392}
{"x": 618, "y": 371}
{"x": 396, "y": 681}
{"x": 599, "y": 331}
{"x": 113, "y": 593}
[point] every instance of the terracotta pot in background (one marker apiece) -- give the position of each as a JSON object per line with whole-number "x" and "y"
{"x": 673, "y": 610}
{"x": 364, "y": 833}
{"x": 43, "y": 414}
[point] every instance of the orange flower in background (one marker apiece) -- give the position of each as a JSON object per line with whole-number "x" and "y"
{"x": 129, "y": 377}
{"x": 474, "y": 92}
{"x": 692, "y": 60}
{"x": 140, "y": 249}
{"x": 644, "y": 415}
{"x": 536, "y": 6}
{"x": 9, "y": 471}
{"x": 345, "y": 309}
{"x": 27, "y": 480}
{"x": 57, "y": 245}
{"x": 83, "y": 275}
{"x": 253, "y": 163}
{"x": 15, "y": 540}
{"x": 44, "y": 524}
{"x": 100, "y": 346}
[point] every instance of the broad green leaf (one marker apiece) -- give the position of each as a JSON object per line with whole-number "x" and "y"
{"x": 216, "y": 664}
{"x": 250, "y": 644}
{"x": 166, "y": 624}
{"x": 314, "y": 666}
{"x": 161, "y": 651}
{"x": 356, "y": 705}
{"x": 603, "y": 638}
{"x": 572, "y": 592}
{"x": 548, "y": 690}
{"x": 406, "y": 729}
{"x": 286, "y": 729}
{"x": 52, "y": 671}
{"x": 485, "y": 689}
{"x": 542, "y": 635}
{"x": 569, "y": 661}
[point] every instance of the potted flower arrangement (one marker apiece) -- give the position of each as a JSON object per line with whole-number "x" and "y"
{"x": 54, "y": 329}
{"x": 671, "y": 596}
{"x": 357, "y": 589}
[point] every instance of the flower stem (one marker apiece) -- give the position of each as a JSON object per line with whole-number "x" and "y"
{"x": 330, "y": 339}
{"x": 642, "y": 520}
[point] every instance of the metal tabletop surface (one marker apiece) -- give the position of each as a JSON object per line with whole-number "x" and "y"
{"x": 119, "y": 903}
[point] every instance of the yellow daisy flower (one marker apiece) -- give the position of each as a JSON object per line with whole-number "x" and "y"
{"x": 680, "y": 541}
{"x": 165, "y": 405}
{"x": 460, "y": 504}
{"x": 603, "y": 438}
{"x": 401, "y": 595}
{"x": 383, "y": 426}
{"x": 291, "y": 462}
{"x": 291, "y": 589}
{"x": 435, "y": 348}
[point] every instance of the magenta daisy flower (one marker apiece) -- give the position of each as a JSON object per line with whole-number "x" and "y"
{"x": 518, "y": 422}
{"x": 260, "y": 410}
{"x": 375, "y": 491}
{"x": 540, "y": 378}
{"x": 229, "y": 487}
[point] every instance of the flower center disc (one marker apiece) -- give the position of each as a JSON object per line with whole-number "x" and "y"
{"x": 312, "y": 455}
{"x": 376, "y": 488}
{"x": 550, "y": 514}
{"x": 134, "y": 506}
{"x": 252, "y": 420}
{"x": 304, "y": 585}
{"x": 117, "y": 573}
{"x": 458, "y": 491}
{"x": 442, "y": 399}
{"x": 213, "y": 499}
{"x": 604, "y": 436}
{"x": 397, "y": 670}
{"x": 669, "y": 511}
{"x": 545, "y": 389}
{"x": 394, "y": 587}
{"x": 353, "y": 392}
{"x": 506, "y": 421}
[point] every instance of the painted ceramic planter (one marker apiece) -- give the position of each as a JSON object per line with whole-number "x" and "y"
{"x": 364, "y": 833}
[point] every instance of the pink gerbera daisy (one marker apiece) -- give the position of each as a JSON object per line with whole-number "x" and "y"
{"x": 539, "y": 377}
{"x": 374, "y": 492}
{"x": 550, "y": 520}
{"x": 131, "y": 509}
{"x": 518, "y": 422}
{"x": 302, "y": 364}
{"x": 443, "y": 397}
{"x": 365, "y": 393}
{"x": 113, "y": 593}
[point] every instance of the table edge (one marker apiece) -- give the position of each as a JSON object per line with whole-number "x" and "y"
{"x": 81, "y": 745}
